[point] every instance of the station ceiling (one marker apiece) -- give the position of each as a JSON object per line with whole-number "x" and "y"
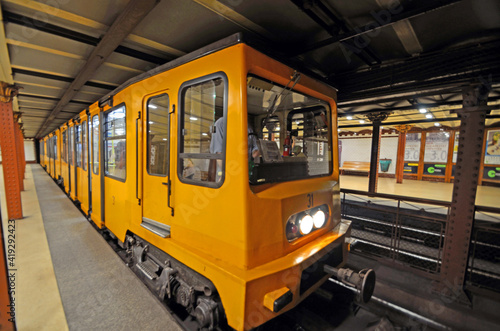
{"x": 397, "y": 56}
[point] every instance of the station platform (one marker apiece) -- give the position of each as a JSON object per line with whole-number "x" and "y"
{"x": 67, "y": 276}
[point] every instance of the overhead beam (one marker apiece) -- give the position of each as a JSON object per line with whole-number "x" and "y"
{"x": 235, "y": 17}
{"x": 371, "y": 27}
{"x": 78, "y": 36}
{"x": 367, "y": 55}
{"x": 59, "y": 13}
{"x": 60, "y": 78}
{"x": 132, "y": 15}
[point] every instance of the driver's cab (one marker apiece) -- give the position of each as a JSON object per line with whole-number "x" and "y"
{"x": 291, "y": 131}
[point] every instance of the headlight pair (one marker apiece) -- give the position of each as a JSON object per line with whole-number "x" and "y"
{"x": 305, "y": 222}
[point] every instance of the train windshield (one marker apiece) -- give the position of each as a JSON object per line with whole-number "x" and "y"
{"x": 289, "y": 133}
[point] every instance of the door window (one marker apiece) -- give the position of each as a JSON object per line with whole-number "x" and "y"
{"x": 95, "y": 144}
{"x": 158, "y": 135}
{"x": 115, "y": 143}
{"x": 203, "y": 131}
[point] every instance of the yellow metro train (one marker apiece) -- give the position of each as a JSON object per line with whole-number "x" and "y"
{"x": 218, "y": 174}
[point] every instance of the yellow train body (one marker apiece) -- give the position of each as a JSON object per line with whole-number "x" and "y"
{"x": 234, "y": 234}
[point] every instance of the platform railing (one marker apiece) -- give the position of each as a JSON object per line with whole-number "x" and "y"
{"x": 484, "y": 255}
{"x": 410, "y": 233}
{"x": 405, "y": 232}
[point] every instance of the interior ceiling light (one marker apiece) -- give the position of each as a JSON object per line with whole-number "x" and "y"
{"x": 361, "y": 121}
{"x": 349, "y": 118}
{"x": 423, "y": 110}
{"x": 437, "y": 124}
{"x": 428, "y": 115}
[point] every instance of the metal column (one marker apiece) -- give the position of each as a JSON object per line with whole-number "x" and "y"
{"x": 400, "y": 161}
{"x": 376, "y": 119}
{"x": 8, "y": 142}
{"x": 458, "y": 232}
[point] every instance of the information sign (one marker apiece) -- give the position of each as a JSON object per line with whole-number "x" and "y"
{"x": 435, "y": 169}
{"x": 412, "y": 147}
{"x": 436, "y": 147}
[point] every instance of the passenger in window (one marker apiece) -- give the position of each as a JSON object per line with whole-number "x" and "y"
{"x": 120, "y": 160}
{"x": 297, "y": 151}
{"x": 191, "y": 171}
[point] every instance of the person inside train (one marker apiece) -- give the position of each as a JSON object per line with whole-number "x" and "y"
{"x": 191, "y": 171}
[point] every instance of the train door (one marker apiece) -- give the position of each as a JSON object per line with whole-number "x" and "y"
{"x": 64, "y": 158}
{"x": 57, "y": 157}
{"x": 78, "y": 160}
{"x": 50, "y": 142}
{"x": 156, "y": 214}
{"x": 94, "y": 168}
{"x": 46, "y": 153}
{"x": 117, "y": 157}
{"x": 83, "y": 183}
{"x": 71, "y": 157}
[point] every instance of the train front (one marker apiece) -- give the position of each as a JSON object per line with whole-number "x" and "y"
{"x": 296, "y": 239}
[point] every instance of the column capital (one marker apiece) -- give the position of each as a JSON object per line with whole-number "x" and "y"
{"x": 8, "y": 92}
{"x": 404, "y": 128}
{"x": 377, "y": 116}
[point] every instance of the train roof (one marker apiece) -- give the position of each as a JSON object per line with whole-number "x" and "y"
{"x": 232, "y": 40}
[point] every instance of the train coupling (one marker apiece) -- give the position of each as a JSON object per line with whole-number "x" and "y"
{"x": 363, "y": 281}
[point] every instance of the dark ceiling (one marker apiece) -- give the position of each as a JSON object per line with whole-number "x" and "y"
{"x": 379, "y": 54}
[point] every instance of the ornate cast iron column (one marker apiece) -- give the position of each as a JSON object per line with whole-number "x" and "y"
{"x": 8, "y": 142}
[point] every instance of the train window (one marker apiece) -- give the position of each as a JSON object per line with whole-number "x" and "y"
{"x": 55, "y": 147}
{"x": 95, "y": 144}
{"x": 158, "y": 135}
{"x": 64, "y": 156}
{"x": 71, "y": 145}
{"x": 42, "y": 152}
{"x": 289, "y": 133}
{"x": 115, "y": 143}
{"x": 78, "y": 145}
{"x": 84, "y": 145}
{"x": 202, "y": 131}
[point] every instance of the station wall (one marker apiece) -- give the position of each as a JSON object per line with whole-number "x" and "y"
{"x": 359, "y": 149}
{"x": 29, "y": 151}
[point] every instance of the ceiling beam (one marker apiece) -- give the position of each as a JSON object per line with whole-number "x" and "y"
{"x": 131, "y": 16}
{"x": 367, "y": 55}
{"x": 56, "y": 12}
{"x": 235, "y": 17}
{"x": 373, "y": 26}
{"x": 66, "y": 79}
{"x": 77, "y": 36}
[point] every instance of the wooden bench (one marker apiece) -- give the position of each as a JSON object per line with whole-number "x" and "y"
{"x": 355, "y": 166}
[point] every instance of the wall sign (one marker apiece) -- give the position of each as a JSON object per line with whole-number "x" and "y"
{"x": 436, "y": 147}
{"x": 410, "y": 168}
{"x": 412, "y": 147}
{"x": 492, "y": 154}
{"x": 491, "y": 173}
{"x": 435, "y": 169}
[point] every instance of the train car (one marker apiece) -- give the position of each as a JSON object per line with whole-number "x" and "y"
{"x": 218, "y": 174}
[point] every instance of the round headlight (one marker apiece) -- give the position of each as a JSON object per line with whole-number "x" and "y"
{"x": 306, "y": 224}
{"x": 319, "y": 219}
